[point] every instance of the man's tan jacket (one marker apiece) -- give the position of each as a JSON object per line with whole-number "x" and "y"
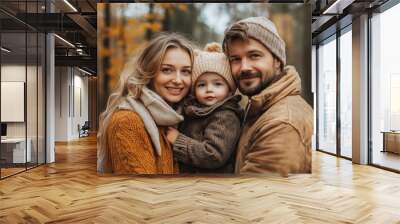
{"x": 276, "y": 136}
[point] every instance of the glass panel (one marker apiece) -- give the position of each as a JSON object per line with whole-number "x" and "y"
{"x": 385, "y": 86}
{"x": 14, "y": 152}
{"x": 23, "y": 84}
{"x": 346, "y": 94}
{"x": 327, "y": 96}
{"x": 13, "y": 87}
{"x": 41, "y": 98}
{"x": 313, "y": 81}
{"x": 31, "y": 97}
{"x": 31, "y": 84}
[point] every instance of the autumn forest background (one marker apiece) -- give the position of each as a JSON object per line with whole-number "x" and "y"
{"x": 125, "y": 27}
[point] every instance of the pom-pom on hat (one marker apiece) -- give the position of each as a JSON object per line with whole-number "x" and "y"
{"x": 212, "y": 59}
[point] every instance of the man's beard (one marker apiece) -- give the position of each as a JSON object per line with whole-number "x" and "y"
{"x": 253, "y": 90}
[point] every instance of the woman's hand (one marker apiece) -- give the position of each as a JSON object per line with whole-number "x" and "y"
{"x": 172, "y": 134}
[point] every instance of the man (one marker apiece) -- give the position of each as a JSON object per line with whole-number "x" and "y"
{"x": 277, "y": 128}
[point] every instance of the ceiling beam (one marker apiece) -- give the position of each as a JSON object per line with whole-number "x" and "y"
{"x": 84, "y": 24}
{"x": 84, "y": 61}
{"x": 337, "y": 7}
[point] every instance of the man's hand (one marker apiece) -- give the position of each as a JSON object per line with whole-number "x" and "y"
{"x": 172, "y": 135}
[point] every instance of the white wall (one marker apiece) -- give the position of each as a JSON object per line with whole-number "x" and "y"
{"x": 61, "y": 103}
{"x": 71, "y": 93}
{"x": 81, "y": 82}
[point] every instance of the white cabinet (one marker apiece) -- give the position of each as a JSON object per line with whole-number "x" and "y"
{"x": 13, "y": 150}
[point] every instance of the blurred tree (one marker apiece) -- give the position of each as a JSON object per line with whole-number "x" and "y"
{"x": 241, "y": 11}
{"x": 104, "y": 57}
{"x": 188, "y": 23}
{"x": 130, "y": 26}
{"x": 150, "y": 20}
{"x": 293, "y": 22}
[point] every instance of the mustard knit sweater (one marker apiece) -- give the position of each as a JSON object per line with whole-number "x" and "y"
{"x": 130, "y": 148}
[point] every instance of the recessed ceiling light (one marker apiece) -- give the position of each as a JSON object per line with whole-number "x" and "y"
{"x": 64, "y": 40}
{"x": 70, "y": 5}
{"x": 5, "y": 49}
{"x": 84, "y": 71}
{"x": 337, "y": 7}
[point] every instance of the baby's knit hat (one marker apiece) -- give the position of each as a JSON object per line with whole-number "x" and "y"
{"x": 211, "y": 59}
{"x": 264, "y": 30}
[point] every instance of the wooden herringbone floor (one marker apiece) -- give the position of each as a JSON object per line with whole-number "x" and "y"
{"x": 70, "y": 191}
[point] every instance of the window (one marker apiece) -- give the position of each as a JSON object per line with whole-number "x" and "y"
{"x": 385, "y": 88}
{"x": 327, "y": 96}
{"x": 346, "y": 93}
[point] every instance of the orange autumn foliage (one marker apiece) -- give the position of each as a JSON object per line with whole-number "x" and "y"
{"x": 127, "y": 34}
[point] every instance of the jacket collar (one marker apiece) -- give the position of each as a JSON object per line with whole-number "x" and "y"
{"x": 194, "y": 109}
{"x": 288, "y": 84}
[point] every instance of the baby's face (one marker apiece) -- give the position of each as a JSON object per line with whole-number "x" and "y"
{"x": 210, "y": 89}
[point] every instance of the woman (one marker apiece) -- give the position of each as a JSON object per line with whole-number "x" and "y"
{"x": 131, "y": 138}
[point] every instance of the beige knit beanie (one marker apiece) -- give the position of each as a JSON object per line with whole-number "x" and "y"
{"x": 212, "y": 60}
{"x": 264, "y": 30}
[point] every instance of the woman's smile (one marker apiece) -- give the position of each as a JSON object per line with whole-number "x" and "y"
{"x": 174, "y": 90}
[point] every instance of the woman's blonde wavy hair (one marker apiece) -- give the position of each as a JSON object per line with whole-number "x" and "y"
{"x": 138, "y": 72}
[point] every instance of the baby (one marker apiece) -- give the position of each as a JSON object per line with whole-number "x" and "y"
{"x": 208, "y": 136}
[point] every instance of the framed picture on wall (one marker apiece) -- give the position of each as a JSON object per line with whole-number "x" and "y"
{"x": 12, "y": 101}
{"x": 155, "y": 60}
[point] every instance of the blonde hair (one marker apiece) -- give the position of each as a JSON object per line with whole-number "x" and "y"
{"x": 138, "y": 72}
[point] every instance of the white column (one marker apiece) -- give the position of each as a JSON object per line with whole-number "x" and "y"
{"x": 50, "y": 94}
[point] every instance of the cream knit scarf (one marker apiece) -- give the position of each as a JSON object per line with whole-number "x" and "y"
{"x": 154, "y": 111}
